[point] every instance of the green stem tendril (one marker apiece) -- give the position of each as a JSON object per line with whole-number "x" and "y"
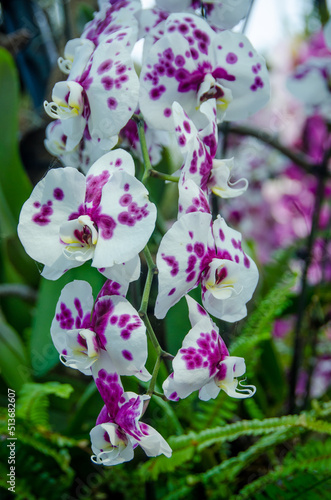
{"x": 164, "y": 177}
{"x": 152, "y": 270}
{"x": 144, "y": 150}
{"x": 148, "y": 170}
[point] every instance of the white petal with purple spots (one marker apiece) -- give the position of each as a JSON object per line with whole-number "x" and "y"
{"x": 70, "y": 329}
{"x": 180, "y": 259}
{"x": 122, "y": 334}
{"x": 132, "y": 220}
{"x": 52, "y": 201}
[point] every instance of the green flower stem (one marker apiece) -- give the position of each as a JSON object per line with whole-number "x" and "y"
{"x": 152, "y": 269}
{"x": 148, "y": 170}
{"x": 144, "y": 149}
{"x": 160, "y": 353}
{"x": 163, "y": 176}
{"x": 152, "y": 383}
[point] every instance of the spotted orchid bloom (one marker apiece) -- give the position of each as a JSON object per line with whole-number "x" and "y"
{"x": 221, "y": 13}
{"x": 91, "y": 335}
{"x": 199, "y": 149}
{"x": 203, "y": 363}
{"x": 118, "y": 430}
{"x": 106, "y": 217}
{"x": 82, "y": 156}
{"x": 99, "y": 96}
{"x": 196, "y": 251}
{"x": 192, "y": 63}
{"x": 115, "y": 21}
{"x": 310, "y": 82}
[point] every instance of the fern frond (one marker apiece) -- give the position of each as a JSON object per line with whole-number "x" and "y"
{"x": 33, "y": 403}
{"x": 318, "y": 466}
{"x": 154, "y": 467}
{"x": 178, "y": 493}
{"x": 258, "y": 325}
{"x": 215, "y": 412}
{"x": 186, "y": 446}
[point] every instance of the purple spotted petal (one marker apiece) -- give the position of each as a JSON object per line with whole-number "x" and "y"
{"x": 235, "y": 55}
{"x": 195, "y": 311}
{"x": 112, "y": 92}
{"x": 152, "y": 442}
{"x": 196, "y": 363}
{"x": 309, "y": 83}
{"x": 125, "y": 222}
{"x": 110, "y": 445}
{"x": 191, "y": 198}
{"x": 52, "y": 201}
{"x": 113, "y": 288}
{"x": 102, "y": 170}
{"x": 82, "y": 156}
{"x": 122, "y": 334}
{"x": 114, "y": 23}
{"x": 181, "y": 259}
{"x": 157, "y": 90}
{"x": 111, "y": 390}
{"x": 73, "y": 312}
{"x": 198, "y": 147}
{"x": 129, "y": 414}
{"x": 231, "y": 278}
{"x": 191, "y": 64}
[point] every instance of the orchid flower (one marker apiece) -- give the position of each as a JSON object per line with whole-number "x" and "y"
{"x": 118, "y": 430}
{"x": 99, "y": 96}
{"x": 196, "y": 251}
{"x": 191, "y": 64}
{"x": 82, "y": 156}
{"x": 114, "y": 22}
{"x": 108, "y": 332}
{"x": 203, "y": 362}
{"x": 199, "y": 149}
{"x": 310, "y": 82}
{"x": 106, "y": 217}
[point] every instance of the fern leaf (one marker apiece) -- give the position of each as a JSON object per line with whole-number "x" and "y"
{"x": 33, "y": 403}
{"x": 154, "y": 467}
{"x": 259, "y": 324}
{"x": 313, "y": 458}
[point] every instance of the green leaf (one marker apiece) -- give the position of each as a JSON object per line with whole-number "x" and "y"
{"x": 16, "y": 187}
{"x": 13, "y": 359}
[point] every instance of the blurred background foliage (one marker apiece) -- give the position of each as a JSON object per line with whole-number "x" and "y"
{"x": 223, "y": 448}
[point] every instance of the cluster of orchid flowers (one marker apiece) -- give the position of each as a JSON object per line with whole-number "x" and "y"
{"x": 194, "y": 74}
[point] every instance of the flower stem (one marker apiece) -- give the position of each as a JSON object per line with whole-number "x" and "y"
{"x": 144, "y": 149}
{"x": 163, "y": 176}
{"x": 160, "y": 353}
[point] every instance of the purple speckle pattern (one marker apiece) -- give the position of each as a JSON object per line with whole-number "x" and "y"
{"x": 183, "y": 57}
{"x": 43, "y": 217}
{"x": 209, "y": 351}
{"x": 65, "y": 317}
{"x": 172, "y": 262}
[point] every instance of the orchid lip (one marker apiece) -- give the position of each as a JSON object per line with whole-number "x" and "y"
{"x": 220, "y": 284}
{"x": 80, "y": 236}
